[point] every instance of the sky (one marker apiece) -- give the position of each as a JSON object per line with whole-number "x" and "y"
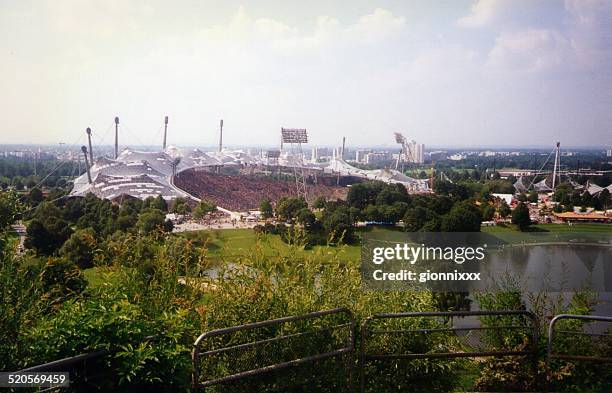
{"x": 445, "y": 73}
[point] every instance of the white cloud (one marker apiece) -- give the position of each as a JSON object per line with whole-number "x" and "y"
{"x": 538, "y": 35}
{"x": 529, "y": 50}
{"x": 359, "y": 76}
{"x": 590, "y": 31}
{"x": 243, "y": 29}
{"x": 482, "y": 13}
{"x": 377, "y": 25}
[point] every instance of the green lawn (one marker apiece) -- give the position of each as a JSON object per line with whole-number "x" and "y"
{"x": 554, "y": 233}
{"x": 240, "y": 242}
{"x": 600, "y": 228}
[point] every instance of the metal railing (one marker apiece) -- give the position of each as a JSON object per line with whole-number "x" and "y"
{"x": 232, "y": 356}
{"x": 578, "y": 335}
{"x": 83, "y": 369}
{"x": 429, "y": 338}
{"x": 242, "y": 358}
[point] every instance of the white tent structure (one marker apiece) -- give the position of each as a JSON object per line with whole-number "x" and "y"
{"x": 143, "y": 174}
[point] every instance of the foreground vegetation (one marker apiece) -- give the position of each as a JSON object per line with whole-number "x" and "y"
{"x": 100, "y": 276}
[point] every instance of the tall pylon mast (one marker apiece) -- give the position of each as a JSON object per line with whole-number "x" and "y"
{"x": 220, "y": 135}
{"x": 165, "y": 132}
{"x": 84, "y": 150}
{"x": 557, "y": 166}
{"x": 116, "y": 137}
{"x": 88, "y": 131}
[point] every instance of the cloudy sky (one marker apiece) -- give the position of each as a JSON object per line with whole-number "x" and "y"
{"x": 451, "y": 73}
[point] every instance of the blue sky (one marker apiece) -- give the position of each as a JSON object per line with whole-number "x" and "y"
{"x": 486, "y": 72}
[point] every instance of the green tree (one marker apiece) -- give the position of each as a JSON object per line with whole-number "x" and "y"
{"x": 373, "y": 213}
{"x": 265, "y": 207}
{"x": 393, "y": 213}
{"x": 361, "y": 195}
{"x": 463, "y": 217}
{"x": 159, "y": 203}
{"x": 319, "y": 203}
{"x": 61, "y": 279}
{"x": 504, "y": 210}
{"x": 520, "y": 216}
{"x": 415, "y": 218}
{"x": 47, "y": 231}
{"x": 434, "y": 224}
{"x": 35, "y": 196}
{"x": 10, "y": 207}
{"x": 17, "y": 183}
{"x": 533, "y": 197}
{"x": 392, "y": 193}
{"x": 287, "y": 208}
{"x": 306, "y": 218}
{"x": 202, "y": 209}
{"x": 488, "y": 212}
{"x": 180, "y": 206}
{"x": 338, "y": 225}
{"x": 151, "y": 220}
{"x": 80, "y": 248}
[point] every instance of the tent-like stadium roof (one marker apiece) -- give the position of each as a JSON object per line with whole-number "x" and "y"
{"x": 142, "y": 174}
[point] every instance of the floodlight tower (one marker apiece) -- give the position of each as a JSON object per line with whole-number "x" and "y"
{"x": 88, "y": 131}
{"x": 272, "y": 160}
{"x": 116, "y": 137}
{"x": 295, "y": 137}
{"x": 165, "y": 132}
{"x": 405, "y": 150}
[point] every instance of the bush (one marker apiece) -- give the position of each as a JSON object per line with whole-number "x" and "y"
{"x": 261, "y": 287}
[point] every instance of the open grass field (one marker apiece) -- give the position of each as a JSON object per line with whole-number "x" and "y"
{"x": 236, "y": 243}
{"x": 556, "y": 228}
{"x": 239, "y": 242}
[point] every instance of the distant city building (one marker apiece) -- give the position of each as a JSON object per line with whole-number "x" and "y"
{"x": 360, "y": 155}
{"x": 437, "y": 155}
{"x": 320, "y": 154}
{"x": 457, "y": 157}
{"x": 379, "y": 156}
{"x": 253, "y": 152}
{"x": 609, "y": 152}
{"x": 415, "y": 153}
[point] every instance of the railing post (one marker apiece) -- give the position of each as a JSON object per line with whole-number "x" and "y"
{"x": 195, "y": 375}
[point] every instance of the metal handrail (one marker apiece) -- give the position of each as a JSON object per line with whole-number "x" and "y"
{"x": 551, "y": 337}
{"x": 348, "y": 349}
{"x": 448, "y": 314}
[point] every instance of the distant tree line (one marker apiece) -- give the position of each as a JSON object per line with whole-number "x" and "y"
{"x": 377, "y": 203}
{"x": 21, "y": 174}
{"x": 74, "y": 227}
